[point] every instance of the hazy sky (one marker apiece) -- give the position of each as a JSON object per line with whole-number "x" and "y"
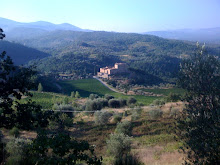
{"x": 117, "y": 15}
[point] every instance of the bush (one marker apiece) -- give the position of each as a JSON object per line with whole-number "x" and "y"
{"x": 53, "y": 125}
{"x": 77, "y": 95}
{"x": 66, "y": 101}
{"x": 125, "y": 114}
{"x": 93, "y": 96}
{"x": 135, "y": 115}
{"x": 172, "y": 97}
{"x": 14, "y": 132}
{"x": 96, "y": 104}
{"x": 158, "y": 102}
{"x": 108, "y": 97}
{"x": 118, "y": 145}
{"x": 127, "y": 160}
{"x": 155, "y": 113}
{"x": 16, "y": 150}
{"x": 124, "y": 127}
{"x": 40, "y": 88}
{"x": 103, "y": 102}
{"x": 114, "y": 103}
{"x": 123, "y": 102}
{"x": 102, "y": 118}
{"x": 138, "y": 110}
{"x": 131, "y": 100}
{"x": 65, "y": 120}
{"x": 72, "y": 94}
{"x": 174, "y": 112}
{"x": 117, "y": 118}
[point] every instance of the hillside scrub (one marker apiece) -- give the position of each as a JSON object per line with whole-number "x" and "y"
{"x": 124, "y": 127}
{"x": 101, "y": 118}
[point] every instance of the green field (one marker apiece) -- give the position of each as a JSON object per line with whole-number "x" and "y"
{"x": 46, "y": 99}
{"x": 166, "y": 91}
{"x": 87, "y": 86}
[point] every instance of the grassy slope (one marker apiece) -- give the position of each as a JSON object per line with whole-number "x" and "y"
{"x": 87, "y": 86}
{"x": 46, "y": 99}
{"x": 165, "y": 91}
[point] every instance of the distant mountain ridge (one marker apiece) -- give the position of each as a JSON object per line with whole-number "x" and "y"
{"x": 17, "y": 30}
{"x": 8, "y": 25}
{"x": 209, "y": 35}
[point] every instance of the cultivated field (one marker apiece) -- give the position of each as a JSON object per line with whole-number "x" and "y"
{"x": 47, "y": 99}
{"x": 165, "y": 91}
{"x": 87, "y": 86}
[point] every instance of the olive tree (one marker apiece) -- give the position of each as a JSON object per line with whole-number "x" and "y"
{"x": 199, "y": 125}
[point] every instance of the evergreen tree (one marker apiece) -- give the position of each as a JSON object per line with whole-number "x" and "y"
{"x": 40, "y": 88}
{"x": 72, "y": 94}
{"x": 77, "y": 95}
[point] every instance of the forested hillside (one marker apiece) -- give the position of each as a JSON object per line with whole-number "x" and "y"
{"x": 85, "y": 52}
{"x": 21, "y": 54}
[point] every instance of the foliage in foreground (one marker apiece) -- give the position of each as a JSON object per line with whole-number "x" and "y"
{"x": 46, "y": 148}
{"x": 118, "y": 145}
{"x": 199, "y": 125}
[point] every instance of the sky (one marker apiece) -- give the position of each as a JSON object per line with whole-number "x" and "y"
{"x": 117, "y": 15}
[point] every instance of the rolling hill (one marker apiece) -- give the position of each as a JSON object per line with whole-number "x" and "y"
{"x": 18, "y": 30}
{"x": 21, "y": 54}
{"x": 209, "y": 35}
{"x": 79, "y": 51}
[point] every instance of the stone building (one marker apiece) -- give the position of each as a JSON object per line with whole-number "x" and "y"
{"x": 118, "y": 68}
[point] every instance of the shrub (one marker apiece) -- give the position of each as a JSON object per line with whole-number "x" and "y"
{"x": 173, "y": 97}
{"x": 53, "y": 125}
{"x": 14, "y": 132}
{"x": 90, "y": 105}
{"x": 117, "y": 118}
{"x": 138, "y": 110}
{"x": 127, "y": 160}
{"x": 131, "y": 100}
{"x": 16, "y": 150}
{"x": 65, "y": 120}
{"x": 96, "y": 104}
{"x": 155, "y": 113}
{"x": 72, "y": 94}
{"x": 102, "y": 118}
{"x": 77, "y": 95}
{"x": 118, "y": 145}
{"x": 108, "y": 97}
{"x": 40, "y": 88}
{"x": 125, "y": 114}
{"x": 66, "y": 101}
{"x": 93, "y": 96}
{"x": 158, "y": 102}
{"x": 114, "y": 103}
{"x": 174, "y": 112}
{"x": 123, "y": 102}
{"x": 135, "y": 115}
{"x": 124, "y": 127}
{"x": 103, "y": 102}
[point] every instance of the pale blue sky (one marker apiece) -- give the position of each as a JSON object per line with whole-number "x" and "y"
{"x": 117, "y": 15}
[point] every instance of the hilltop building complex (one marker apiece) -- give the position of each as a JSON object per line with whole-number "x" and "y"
{"x": 118, "y": 68}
